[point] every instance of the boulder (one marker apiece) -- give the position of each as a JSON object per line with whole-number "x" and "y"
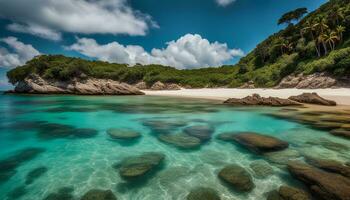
{"x": 259, "y": 143}
{"x": 312, "y": 98}
{"x": 203, "y": 193}
{"x": 161, "y": 86}
{"x": 257, "y": 100}
{"x": 141, "y": 85}
{"x": 138, "y": 166}
{"x": 158, "y": 86}
{"x": 96, "y": 194}
{"x": 288, "y": 193}
{"x": 237, "y": 177}
{"x": 201, "y": 132}
{"x": 91, "y": 86}
{"x": 123, "y": 134}
{"x": 248, "y": 85}
{"x": 324, "y": 185}
{"x": 180, "y": 140}
{"x": 282, "y": 157}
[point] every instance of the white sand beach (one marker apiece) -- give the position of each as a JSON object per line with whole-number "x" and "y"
{"x": 340, "y": 95}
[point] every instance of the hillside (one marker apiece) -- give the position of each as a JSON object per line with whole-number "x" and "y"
{"x": 320, "y": 42}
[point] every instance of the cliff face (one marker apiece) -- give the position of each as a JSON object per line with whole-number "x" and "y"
{"x": 34, "y": 84}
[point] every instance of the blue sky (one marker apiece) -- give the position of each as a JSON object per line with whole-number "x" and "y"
{"x": 180, "y": 33}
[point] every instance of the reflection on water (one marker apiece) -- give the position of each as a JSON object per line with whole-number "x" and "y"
{"x": 59, "y": 147}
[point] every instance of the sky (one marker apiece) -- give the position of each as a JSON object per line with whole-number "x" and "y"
{"x": 185, "y": 34}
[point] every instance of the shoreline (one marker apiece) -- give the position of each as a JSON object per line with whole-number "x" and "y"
{"x": 340, "y": 95}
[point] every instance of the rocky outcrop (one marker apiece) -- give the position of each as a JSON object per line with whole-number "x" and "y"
{"x": 257, "y": 100}
{"x": 312, "y": 98}
{"x": 237, "y": 177}
{"x": 324, "y": 185}
{"x": 313, "y": 81}
{"x": 35, "y": 84}
{"x": 255, "y": 142}
{"x": 161, "y": 86}
{"x": 141, "y": 85}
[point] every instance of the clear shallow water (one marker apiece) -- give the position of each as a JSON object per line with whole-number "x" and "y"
{"x": 85, "y": 163}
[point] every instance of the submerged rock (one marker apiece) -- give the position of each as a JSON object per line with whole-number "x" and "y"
{"x": 203, "y": 193}
{"x": 256, "y": 100}
{"x": 123, "y": 134}
{"x": 330, "y": 165}
{"x": 282, "y": 157}
{"x": 312, "y": 98}
{"x": 96, "y": 194}
{"x": 139, "y": 166}
{"x": 91, "y": 86}
{"x": 341, "y": 133}
{"x": 261, "y": 168}
{"x": 35, "y": 174}
{"x": 49, "y": 131}
{"x": 256, "y": 142}
{"x": 17, "y": 193}
{"x": 64, "y": 193}
{"x": 9, "y": 165}
{"x": 201, "y": 132}
{"x": 288, "y": 193}
{"x": 164, "y": 126}
{"x": 323, "y": 185}
{"x": 180, "y": 140}
{"x": 237, "y": 177}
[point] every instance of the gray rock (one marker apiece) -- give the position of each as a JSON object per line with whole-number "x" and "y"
{"x": 201, "y": 132}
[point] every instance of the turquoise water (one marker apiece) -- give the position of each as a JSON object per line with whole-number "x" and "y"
{"x": 84, "y": 161}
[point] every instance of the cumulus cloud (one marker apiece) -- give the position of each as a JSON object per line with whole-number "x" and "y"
{"x": 18, "y": 54}
{"x": 224, "y": 2}
{"x": 189, "y": 51}
{"x": 48, "y": 18}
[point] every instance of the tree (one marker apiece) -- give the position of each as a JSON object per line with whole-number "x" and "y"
{"x": 331, "y": 38}
{"x": 311, "y": 29}
{"x": 340, "y": 30}
{"x": 320, "y": 26}
{"x": 337, "y": 15}
{"x": 296, "y": 15}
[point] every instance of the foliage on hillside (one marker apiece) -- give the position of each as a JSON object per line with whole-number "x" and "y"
{"x": 319, "y": 42}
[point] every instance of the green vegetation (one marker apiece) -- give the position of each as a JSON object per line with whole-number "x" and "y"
{"x": 320, "y": 42}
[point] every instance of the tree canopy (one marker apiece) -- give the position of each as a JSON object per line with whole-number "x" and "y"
{"x": 292, "y": 15}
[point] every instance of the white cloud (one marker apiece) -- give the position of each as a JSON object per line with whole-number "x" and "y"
{"x": 189, "y": 51}
{"x": 224, "y": 2}
{"x": 48, "y": 18}
{"x": 20, "y": 54}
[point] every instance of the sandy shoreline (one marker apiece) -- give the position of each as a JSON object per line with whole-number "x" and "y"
{"x": 340, "y": 95}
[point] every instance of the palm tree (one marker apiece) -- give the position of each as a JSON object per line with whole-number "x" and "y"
{"x": 337, "y": 15}
{"x": 331, "y": 38}
{"x": 321, "y": 26}
{"x": 310, "y": 28}
{"x": 340, "y": 30}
